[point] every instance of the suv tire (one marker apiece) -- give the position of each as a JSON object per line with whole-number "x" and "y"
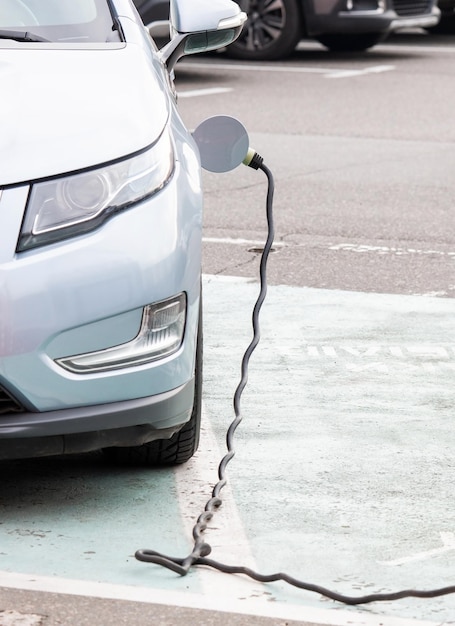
{"x": 350, "y": 42}
{"x": 272, "y": 31}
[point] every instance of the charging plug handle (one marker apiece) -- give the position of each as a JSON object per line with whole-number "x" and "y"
{"x": 253, "y": 159}
{"x": 223, "y": 144}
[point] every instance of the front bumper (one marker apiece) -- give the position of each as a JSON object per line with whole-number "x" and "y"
{"x": 426, "y": 21}
{"x": 374, "y": 21}
{"x": 83, "y": 429}
{"x": 88, "y": 293}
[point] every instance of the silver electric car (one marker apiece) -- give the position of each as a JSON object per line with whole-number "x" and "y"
{"x": 100, "y": 222}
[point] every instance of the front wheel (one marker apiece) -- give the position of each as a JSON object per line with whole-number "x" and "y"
{"x": 272, "y": 30}
{"x": 183, "y": 444}
{"x": 350, "y": 42}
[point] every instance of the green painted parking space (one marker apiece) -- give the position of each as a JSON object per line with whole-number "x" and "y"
{"x": 342, "y": 477}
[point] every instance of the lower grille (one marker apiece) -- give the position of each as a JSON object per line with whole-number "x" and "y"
{"x": 406, "y": 8}
{"x": 8, "y": 404}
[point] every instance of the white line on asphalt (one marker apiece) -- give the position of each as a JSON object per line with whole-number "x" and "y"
{"x": 94, "y": 589}
{"x": 193, "y": 495}
{"x": 240, "y": 242}
{"x": 245, "y": 67}
{"x": 375, "y": 69}
{"x": 448, "y": 544}
{"x": 337, "y": 247}
{"x": 327, "y": 72}
{"x": 384, "y": 250}
{"x": 14, "y": 618}
{"x": 311, "y": 46}
{"x": 432, "y": 49}
{"x": 195, "y": 93}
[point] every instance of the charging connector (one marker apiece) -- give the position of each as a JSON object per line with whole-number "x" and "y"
{"x": 253, "y": 159}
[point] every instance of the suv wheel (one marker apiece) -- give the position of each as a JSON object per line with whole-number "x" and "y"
{"x": 272, "y": 31}
{"x": 350, "y": 42}
{"x": 446, "y": 26}
{"x": 182, "y": 445}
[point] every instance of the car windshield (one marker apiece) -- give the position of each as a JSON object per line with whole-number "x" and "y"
{"x": 72, "y": 21}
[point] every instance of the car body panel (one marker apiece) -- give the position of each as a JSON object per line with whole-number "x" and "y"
{"x": 85, "y": 429}
{"x": 70, "y": 112}
{"x": 70, "y": 107}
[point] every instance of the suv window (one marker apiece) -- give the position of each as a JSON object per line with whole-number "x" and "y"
{"x": 77, "y": 21}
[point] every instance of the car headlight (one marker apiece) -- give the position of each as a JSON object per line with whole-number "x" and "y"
{"x": 71, "y": 205}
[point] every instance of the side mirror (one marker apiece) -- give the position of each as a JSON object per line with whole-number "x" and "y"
{"x": 200, "y": 26}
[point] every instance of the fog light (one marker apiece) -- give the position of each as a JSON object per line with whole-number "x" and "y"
{"x": 376, "y": 6}
{"x": 160, "y": 334}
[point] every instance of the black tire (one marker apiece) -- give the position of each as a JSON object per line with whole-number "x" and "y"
{"x": 272, "y": 31}
{"x": 181, "y": 446}
{"x": 340, "y": 42}
{"x": 152, "y": 10}
{"x": 446, "y": 25}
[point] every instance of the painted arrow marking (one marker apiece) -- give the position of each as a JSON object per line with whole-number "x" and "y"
{"x": 448, "y": 544}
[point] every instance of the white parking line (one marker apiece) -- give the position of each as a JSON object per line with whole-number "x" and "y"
{"x": 193, "y": 495}
{"x": 448, "y": 544}
{"x": 385, "y": 250}
{"x": 431, "y": 49}
{"x": 337, "y": 247}
{"x": 326, "y": 72}
{"x": 312, "y": 45}
{"x": 241, "y": 242}
{"x": 195, "y": 93}
{"x": 255, "y": 607}
{"x": 14, "y": 618}
{"x": 375, "y": 69}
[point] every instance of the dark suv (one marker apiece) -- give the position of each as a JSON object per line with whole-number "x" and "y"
{"x": 274, "y": 27}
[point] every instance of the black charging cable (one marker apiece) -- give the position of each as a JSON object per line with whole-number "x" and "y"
{"x": 201, "y": 549}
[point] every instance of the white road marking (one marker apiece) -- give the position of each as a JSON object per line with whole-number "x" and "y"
{"x": 402, "y": 352}
{"x": 338, "y": 247}
{"x": 241, "y": 242}
{"x": 375, "y": 69}
{"x": 196, "y": 93}
{"x": 448, "y": 544}
{"x": 312, "y": 45}
{"x": 94, "y": 589}
{"x": 14, "y": 618}
{"x": 245, "y": 67}
{"x": 431, "y": 49}
{"x": 418, "y": 358}
{"x": 396, "y": 251}
{"x": 225, "y": 532}
{"x": 327, "y": 72}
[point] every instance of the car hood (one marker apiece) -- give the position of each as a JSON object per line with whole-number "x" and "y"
{"x": 66, "y": 109}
